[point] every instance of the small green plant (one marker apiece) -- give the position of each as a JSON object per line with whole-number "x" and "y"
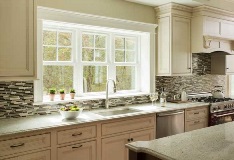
{"x": 52, "y": 91}
{"x": 72, "y": 91}
{"x": 61, "y": 91}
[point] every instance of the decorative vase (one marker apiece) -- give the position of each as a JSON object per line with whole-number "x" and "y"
{"x": 52, "y": 97}
{"x": 62, "y": 96}
{"x": 72, "y": 95}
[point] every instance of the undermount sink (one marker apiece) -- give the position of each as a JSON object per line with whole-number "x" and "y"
{"x": 117, "y": 112}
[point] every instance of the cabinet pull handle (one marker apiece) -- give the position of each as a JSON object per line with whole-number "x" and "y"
{"x": 196, "y": 113}
{"x": 77, "y": 146}
{"x": 77, "y": 134}
{"x": 131, "y": 139}
{"x": 17, "y": 145}
{"x": 196, "y": 122}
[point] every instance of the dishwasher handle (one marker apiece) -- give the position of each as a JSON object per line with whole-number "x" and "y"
{"x": 170, "y": 113}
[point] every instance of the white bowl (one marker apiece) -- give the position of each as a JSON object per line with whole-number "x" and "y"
{"x": 71, "y": 114}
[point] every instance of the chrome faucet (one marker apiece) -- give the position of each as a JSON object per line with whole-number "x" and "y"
{"x": 107, "y": 92}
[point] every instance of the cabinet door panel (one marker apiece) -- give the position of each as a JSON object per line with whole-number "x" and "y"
{"x": 196, "y": 124}
{"x": 16, "y": 40}
{"x": 44, "y": 155}
{"x": 163, "y": 58}
{"x": 113, "y": 148}
{"x": 227, "y": 29}
{"x": 82, "y": 151}
{"x": 229, "y": 64}
{"x": 181, "y": 53}
{"x": 212, "y": 26}
{"x": 146, "y": 135}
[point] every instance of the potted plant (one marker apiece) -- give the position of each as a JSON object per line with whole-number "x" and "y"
{"x": 62, "y": 94}
{"x": 72, "y": 93}
{"x": 52, "y": 93}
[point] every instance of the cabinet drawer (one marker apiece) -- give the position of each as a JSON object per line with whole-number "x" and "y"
{"x": 196, "y": 113}
{"x": 24, "y": 144}
{"x": 196, "y": 124}
{"x": 127, "y": 125}
{"x": 76, "y": 134}
{"x": 43, "y": 155}
{"x": 81, "y": 151}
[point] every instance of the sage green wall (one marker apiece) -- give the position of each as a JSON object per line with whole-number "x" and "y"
{"x": 110, "y": 8}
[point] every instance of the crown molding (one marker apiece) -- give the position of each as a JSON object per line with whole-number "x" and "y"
{"x": 174, "y": 9}
{"x": 213, "y": 12}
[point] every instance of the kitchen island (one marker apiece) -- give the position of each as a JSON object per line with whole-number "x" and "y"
{"x": 212, "y": 143}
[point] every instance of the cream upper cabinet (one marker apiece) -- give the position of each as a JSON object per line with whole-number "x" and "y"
{"x": 17, "y": 45}
{"x": 209, "y": 34}
{"x": 174, "y": 53}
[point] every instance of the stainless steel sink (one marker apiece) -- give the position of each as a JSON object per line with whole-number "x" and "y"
{"x": 117, "y": 112}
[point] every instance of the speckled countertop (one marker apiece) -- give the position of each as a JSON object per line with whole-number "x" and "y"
{"x": 211, "y": 143}
{"x": 39, "y": 122}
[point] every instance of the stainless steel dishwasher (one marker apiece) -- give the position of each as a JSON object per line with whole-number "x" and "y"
{"x": 169, "y": 123}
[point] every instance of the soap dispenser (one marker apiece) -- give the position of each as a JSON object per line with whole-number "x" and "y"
{"x": 183, "y": 96}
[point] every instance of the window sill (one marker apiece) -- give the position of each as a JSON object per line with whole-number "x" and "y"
{"x": 96, "y": 97}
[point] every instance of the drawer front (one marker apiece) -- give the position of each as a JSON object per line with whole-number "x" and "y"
{"x": 196, "y": 124}
{"x": 81, "y": 151}
{"x": 43, "y": 155}
{"x": 127, "y": 125}
{"x": 24, "y": 144}
{"x": 76, "y": 134}
{"x": 196, "y": 113}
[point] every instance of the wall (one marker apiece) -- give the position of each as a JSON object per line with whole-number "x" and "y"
{"x": 110, "y": 8}
{"x": 200, "y": 81}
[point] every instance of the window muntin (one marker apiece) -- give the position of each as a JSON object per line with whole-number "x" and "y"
{"x": 57, "y": 60}
{"x": 85, "y": 56}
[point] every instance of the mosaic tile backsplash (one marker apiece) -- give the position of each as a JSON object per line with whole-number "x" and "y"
{"x": 16, "y": 100}
{"x": 200, "y": 81}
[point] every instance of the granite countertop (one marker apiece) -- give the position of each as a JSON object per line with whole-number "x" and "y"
{"x": 40, "y": 122}
{"x": 211, "y": 143}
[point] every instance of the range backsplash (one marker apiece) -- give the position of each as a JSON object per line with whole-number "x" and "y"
{"x": 16, "y": 100}
{"x": 200, "y": 81}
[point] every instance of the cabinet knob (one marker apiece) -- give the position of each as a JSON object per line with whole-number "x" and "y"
{"x": 131, "y": 139}
{"x": 227, "y": 68}
{"x": 189, "y": 68}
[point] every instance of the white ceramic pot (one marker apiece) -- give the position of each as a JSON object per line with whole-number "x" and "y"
{"x": 71, "y": 114}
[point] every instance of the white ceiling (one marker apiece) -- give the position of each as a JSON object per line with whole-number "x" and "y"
{"x": 223, "y": 4}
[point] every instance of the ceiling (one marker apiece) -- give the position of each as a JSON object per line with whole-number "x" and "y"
{"x": 222, "y": 4}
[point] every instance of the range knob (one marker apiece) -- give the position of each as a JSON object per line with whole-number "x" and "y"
{"x": 218, "y": 107}
{"x": 225, "y": 106}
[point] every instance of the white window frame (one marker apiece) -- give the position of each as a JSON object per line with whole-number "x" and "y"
{"x": 147, "y": 43}
{"x": 230, "y": 86}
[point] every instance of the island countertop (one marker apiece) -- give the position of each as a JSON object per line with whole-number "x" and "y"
{"x": 212, "y": 143}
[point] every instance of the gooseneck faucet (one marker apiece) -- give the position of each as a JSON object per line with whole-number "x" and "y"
{"x": 107, "y": 92}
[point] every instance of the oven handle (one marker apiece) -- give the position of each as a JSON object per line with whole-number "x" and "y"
{"x": 223, "y": 115}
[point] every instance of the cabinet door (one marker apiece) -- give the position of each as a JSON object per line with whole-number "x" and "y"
{"x": 229, "y": 64}
{"x": 164, "y": 50}
{"x": 146, "y": 135}
{"x": 17, "y": 38}
{"x": 227, "y": 29}
{"x": 181, "y": 53}
{"x": 196, "y": 124}
{"x": 212, "y": 26}
{"x": 44, "y": 155}
{"x": 113, "y": 148}
{"x": 82, "y": 151}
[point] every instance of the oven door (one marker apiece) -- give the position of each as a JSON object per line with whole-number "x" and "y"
{"x": 221, "y": 117}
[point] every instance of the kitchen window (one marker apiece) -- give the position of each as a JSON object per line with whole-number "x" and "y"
{"x": 231, "y": 86}
{"x": 84, "y": 59}
{"x": 82, "y": 51}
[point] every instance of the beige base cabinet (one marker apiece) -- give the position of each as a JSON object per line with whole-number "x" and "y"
{"x": 196, "y": 118}
{"x": 17, "y": 45}
{"x": 174, "y": 54}
{"x": 80, "y": 151}
{"x": 114, "y": 147}
{"x": 44, "y": 155}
